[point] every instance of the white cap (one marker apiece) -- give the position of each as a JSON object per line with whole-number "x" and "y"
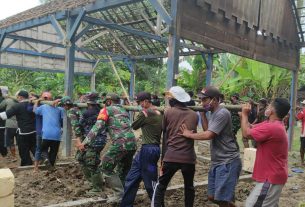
{"x": 178, "y": 93}
{"x": 303, "y": 102}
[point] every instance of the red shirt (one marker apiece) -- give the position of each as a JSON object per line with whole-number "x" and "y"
{"x": 301, "y": 117}
{"x": 271, "y": 162}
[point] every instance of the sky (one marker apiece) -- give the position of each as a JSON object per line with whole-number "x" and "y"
{"x": 12, "y": 7}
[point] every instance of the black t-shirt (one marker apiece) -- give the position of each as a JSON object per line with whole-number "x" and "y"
{"x": 25, "y": 117}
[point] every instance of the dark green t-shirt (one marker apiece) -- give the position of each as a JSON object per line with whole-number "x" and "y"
{"x": 150, "y": 122}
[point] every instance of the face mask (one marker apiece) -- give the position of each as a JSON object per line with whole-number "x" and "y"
{"x": 207, "y": 107}
{"x": 267, "y": 113}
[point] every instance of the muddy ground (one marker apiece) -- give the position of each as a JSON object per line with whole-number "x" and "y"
{"x": 66, "y": 183}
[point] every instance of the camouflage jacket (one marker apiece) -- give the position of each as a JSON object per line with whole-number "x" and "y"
{"x": 74, "y": 115}
{"x": 116, "y": 120}
{"x": 235, "y": 122}
{"x": 87, "y": 121}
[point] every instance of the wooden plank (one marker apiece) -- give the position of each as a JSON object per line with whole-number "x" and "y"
{"x": 201, "y": 25}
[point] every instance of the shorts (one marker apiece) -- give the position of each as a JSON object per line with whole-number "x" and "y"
{"x": 264, "y": 195}
{"x": 10, "y": 133}
{"x": 302, "y": 139}
{"x": 223, "y": 179}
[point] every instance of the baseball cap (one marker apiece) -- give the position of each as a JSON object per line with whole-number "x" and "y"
{"x": 211, "y": 92}
{"x": 143, "y": 96}
{"x": 23, "y": 94}
{"x": 178, "y": 93}
{"x": 66, "y": 100}
{"x": 113, "y": 97}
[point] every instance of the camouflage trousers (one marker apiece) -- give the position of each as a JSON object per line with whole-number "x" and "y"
{"x": 235, "y": 124}
{"x": 117, "y": 157}
{"x": 89, "y": 159}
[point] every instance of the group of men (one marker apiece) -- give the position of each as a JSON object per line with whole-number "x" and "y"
{"x": 35, "y": 128}
{"x": 178, "y": 125}
{"x": 120, "y": 169}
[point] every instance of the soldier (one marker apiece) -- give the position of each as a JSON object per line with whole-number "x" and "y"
{"x": 89, "y": 157}
{"x": 123, "y": 143}
{"x": 234, "y": 114}
{"x": 74, "y": 114}
{"x": 145, "y": 164}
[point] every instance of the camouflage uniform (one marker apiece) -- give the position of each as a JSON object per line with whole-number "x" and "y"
{"x": 235, "y": 122}
{"x": 90, "y": 158}
{"x": 74, "y": 115}
{"x": 123, "y": 143}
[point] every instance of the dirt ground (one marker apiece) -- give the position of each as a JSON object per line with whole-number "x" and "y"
{"x": 66, "y": 183}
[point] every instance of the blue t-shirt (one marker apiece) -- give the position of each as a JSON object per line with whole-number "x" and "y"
{"x": 51, "y": 121}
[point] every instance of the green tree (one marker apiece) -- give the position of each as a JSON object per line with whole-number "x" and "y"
{"x": 193, "y": 80}
{"x": 250, "y": 78}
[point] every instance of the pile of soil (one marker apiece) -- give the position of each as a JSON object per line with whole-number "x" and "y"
{"x": 49, "y": 187}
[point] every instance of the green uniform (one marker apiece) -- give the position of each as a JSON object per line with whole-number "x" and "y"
{"x": 90, "y": 158}
{"x": 235, "y": 121}
{"x": 151, "y": 126}
{"x": 123, "y": 143}
{"x": 74, "y": 115}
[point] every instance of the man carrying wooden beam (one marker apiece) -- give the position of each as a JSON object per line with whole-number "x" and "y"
{"x": 271, "y": 165}
{"x": 123, "y": 144}
{"x": 226, "y": 164}
{"x": 178, "y": 153}
{"x": 145, "y": 164}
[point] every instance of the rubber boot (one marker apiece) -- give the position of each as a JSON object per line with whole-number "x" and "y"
{"x": 87, "y": 174}
{"x": 97, "y": 184}
{"x": 114, "y": 182}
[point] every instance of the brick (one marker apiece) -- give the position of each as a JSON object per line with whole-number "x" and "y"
{"x": 249, "y": 159}
{"x": 7, "y": 182}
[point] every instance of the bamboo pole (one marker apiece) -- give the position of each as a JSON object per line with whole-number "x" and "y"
{"x": 229, "y": 73}
{"x": 118, "y": 77}
{"x": 138, "y": 108}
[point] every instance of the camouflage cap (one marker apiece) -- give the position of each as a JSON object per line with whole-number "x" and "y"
{"x": 92, "y": 98}
{"x": 113, "y": 97}
{"x": 66, "y": 100}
